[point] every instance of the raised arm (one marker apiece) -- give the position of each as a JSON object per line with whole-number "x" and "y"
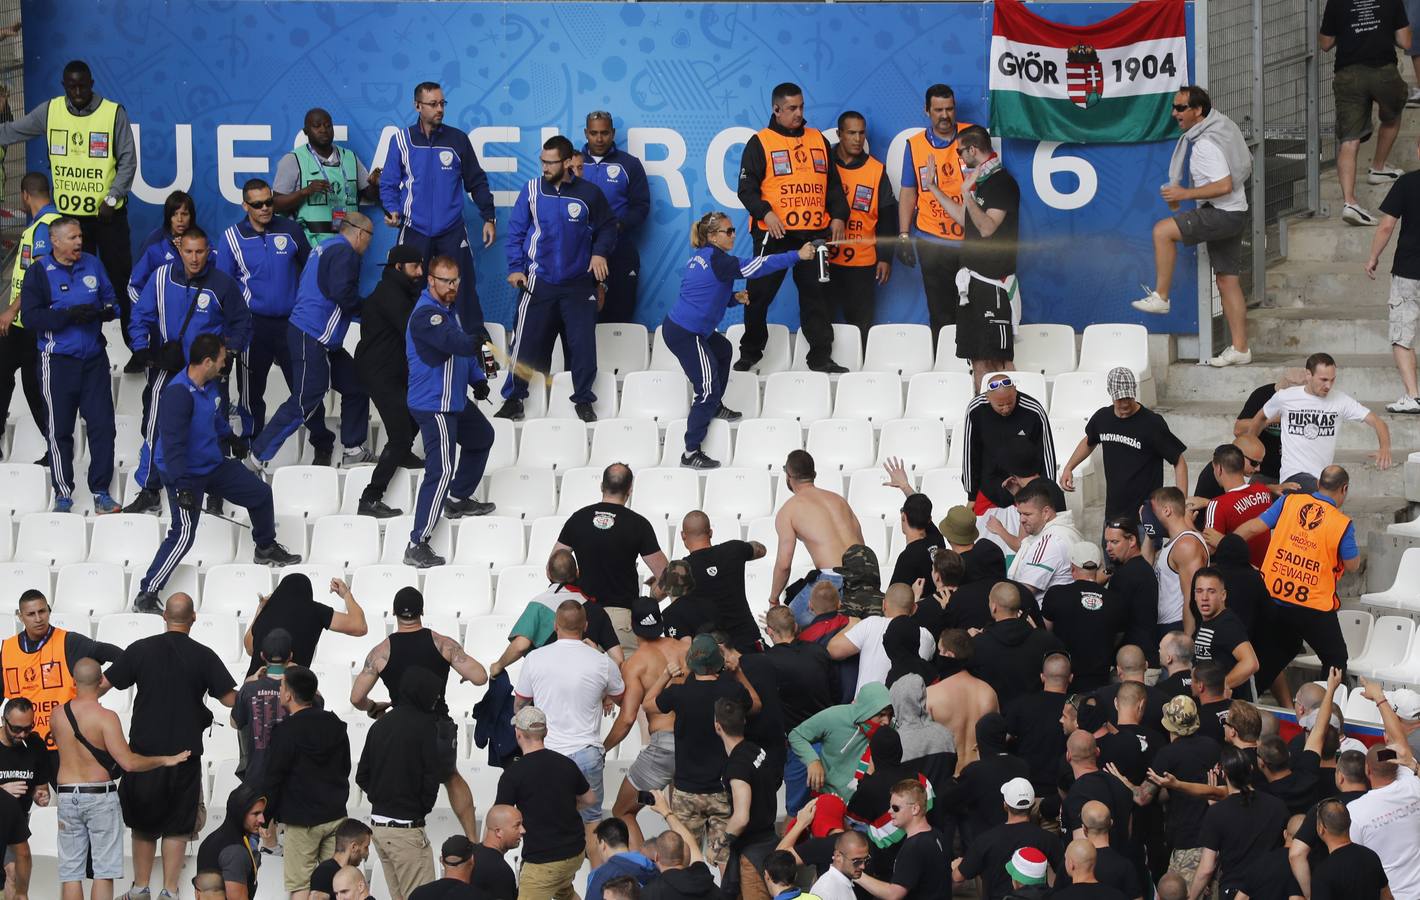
{"x": 352, "y": 621}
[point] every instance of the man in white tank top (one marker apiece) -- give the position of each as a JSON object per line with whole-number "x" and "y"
{"x": 1181, "y": 555}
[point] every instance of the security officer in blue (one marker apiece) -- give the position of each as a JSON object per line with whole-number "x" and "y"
{"x": 443, "y": 364}
{"x": 327, "y": 298}
{"x": 66, "y": 298}
{"x": 428, "y": 169}
{"x": 559, "y": 237}
{"x": 182, "y": 300}
{"x": 623, "y": 180}
{"x": 194, "y": 439}
{"x": 17, "y": 343}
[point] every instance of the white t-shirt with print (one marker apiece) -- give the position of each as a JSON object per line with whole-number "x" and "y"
{"x": 1309, "y": 426}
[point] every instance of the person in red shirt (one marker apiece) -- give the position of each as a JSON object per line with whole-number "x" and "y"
{"x": 1240, "y": 502}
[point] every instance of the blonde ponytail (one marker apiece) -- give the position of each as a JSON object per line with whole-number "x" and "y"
{"x": 700, "y": 231}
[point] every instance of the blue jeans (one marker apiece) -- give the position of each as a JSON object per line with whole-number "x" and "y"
{"x": 592, "y": 761}
{"x": 796, "y": 782}
{"x": 799, "y": 606}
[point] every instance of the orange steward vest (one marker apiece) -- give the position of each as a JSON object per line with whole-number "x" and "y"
{"x": 1303, "y": 562}
{"x": 796, "y": 178}
{"x": 860, "y": 186}
{"x": 41, "y": 677}
{"x": 931, "y": 217}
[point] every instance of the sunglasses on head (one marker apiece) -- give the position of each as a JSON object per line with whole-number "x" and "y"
{"x": 1180, "y": 107}
{"x": 998, "y": 383}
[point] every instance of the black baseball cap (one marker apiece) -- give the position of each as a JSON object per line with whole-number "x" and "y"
{"x": 276, "y": 646}
{"x": 403, "y": 253}
{"x": 408, "y": 603}
{"x": 646, "y": 618}
{"x": 456, "y": 851}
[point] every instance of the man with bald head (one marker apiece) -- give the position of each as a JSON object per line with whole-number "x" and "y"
{"x": 865, "y": 638}
{"x": 719, "y": 572}
{"x": 1111, "y": 867}
{"x": 92, "y": 755}
{"x": 1010, "y": 651}
{"x": 319, "y": 181}
{"x": 502, "y": 831}
{"x": 350, "y": 884}
{"x": 1003, "y": 423}
{"x": 850, "y": 855}
{"x": 1033, "y": 721}
{"x": 1081, "y": 859}
{"x": 1091, "y": 783}
{"x": 172, "y": 673}
{"x": 1239, "y": 500}
{"x": 826, "y": 525}
{"x": 1131, "y": 665}
{"x": 209, "y": 886}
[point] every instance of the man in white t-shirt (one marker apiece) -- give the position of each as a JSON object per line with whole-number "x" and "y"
{"x": 1387, "y": 818}
{"x": 865, "y": 639}
{"x": 1309, "y": 416}
{"x": 1043, "y": 559}
{"x": 1219, "y": 164}
{"x": 569, "y": 681}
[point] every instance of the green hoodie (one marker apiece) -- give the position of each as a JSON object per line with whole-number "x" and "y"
{"x": 844, "y": 738}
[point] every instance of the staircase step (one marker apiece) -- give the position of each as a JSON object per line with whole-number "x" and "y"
{"x": 1302, "y": 282}
{"x": 1330, "y": 239}
{"x": 1362, "y": 375}
{"x": 1348, "y": 328}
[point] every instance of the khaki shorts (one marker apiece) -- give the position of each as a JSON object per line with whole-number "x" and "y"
{"x": 540, "y": 881}
{"x": 1356, "y": 88}
{"x": 306, "y": 847}
{"x": 1404, "y": 310}
{"x": 406, "y": 856}
{"x": 621, "y": 621}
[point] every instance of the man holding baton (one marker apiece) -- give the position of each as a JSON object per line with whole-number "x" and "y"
{"x": 191, "y": 433}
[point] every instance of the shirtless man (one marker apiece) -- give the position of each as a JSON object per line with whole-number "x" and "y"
{"x": 90, "y": 761}
{"x": 414, "y": 645}
{"x": 960, "y": 699}
{"x": 655, "y": 764}
{"x": 821, "y": 519}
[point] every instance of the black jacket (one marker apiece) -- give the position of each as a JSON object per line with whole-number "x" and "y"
{"x": 308, "y": 768}
{"x": 808, "y": 681}
{"x": 399, "y": 767}
{"x": 1007, "y": 655}
{"x": 384, "y": 317}
{"x": 674, "y": 884}
{"x": 970, "y": 605}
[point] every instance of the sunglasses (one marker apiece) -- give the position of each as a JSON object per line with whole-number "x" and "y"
{"x": 1181, "y": 107}
{"x": 856, "y": 862}
{"x": 729, "y": 231}
{"x": 368, "y": 231}
{"x": 262, "y": 204}
{"x": 998, "y": 384}
{"x": 20, "y": 729}
{"x": 1256, "y": 462}
{"x": 897, "y": 808}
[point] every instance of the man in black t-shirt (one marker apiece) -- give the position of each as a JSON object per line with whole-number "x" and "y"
{"x": 1189, "y": 757}
{"x": 24, "y": 764}
{"x": 1091, "y": 783}
{"x": 607, "y": 538}
{"x": 258, "y": 709}
{"x": 292, "y": 607}
{"x": 502, "y": 831}
{"x": 173, "y": 674}
{"x": 1086, "y": 617}
{"x": 548, "y": 789}
{"x": 457, "y": 856}
{"x": 988, "y": 854}
{"x": 923, "y": 542}
{"x": 1220, "y": 635}
{"x": 753, "y": 785}
{"x": 1365, "y": 34}
{"x": 1402, "y": 204}
{"x": 719, "y": 572}
{"x": 1112, "y": 867}
{"x": 1133, "y": 584}
{"x": 352, "y": 848}
{"x": 1350, "y": 871}
{"x": 923, "y": 857}
{"x": 1210, "y": 693}
{"x": 1308, "y": 849}
{"x": 1033, "y": 721}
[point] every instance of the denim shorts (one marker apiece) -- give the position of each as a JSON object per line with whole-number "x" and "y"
{"x": 90, "y": 823}
{"x": 799, "y": 603}
{"x": 592, "y": 761}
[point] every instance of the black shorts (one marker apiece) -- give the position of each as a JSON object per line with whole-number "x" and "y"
{"x": 447, "y": 747}
{"x": 984, "y": 324}
{"x": 163, "y": 802}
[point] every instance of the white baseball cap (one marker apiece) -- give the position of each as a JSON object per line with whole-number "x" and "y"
{"x": 1018, "y": 793}
{"x": 1405, "y": 702}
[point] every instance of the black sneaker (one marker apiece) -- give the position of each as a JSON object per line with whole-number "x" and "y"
{"x": 148, "y": 500}
{"x": 214, "y": 506}
{"x": 135, "y": 365}
{"x": 43, "y": 461}
{"x": 512, "y": 408}
{"x": 323, "y": 457}
{"x": 378, "y": 509}
{"x": 696, "y": 459}
{"x": 745, "y": 363}
{"x": 585, "y": 412}
{"x": 412, "y": 461}
{"x": 275, "y": 555}
{"x": 828, "y": 368}
{"x": 457, "y": 509}
{"x": 422, "y": 556}
{"x": 729, "y": 415}
{"x": 148, "y": 602}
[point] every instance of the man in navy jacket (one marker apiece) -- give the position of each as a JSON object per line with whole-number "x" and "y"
{"x": 622, "y": 179}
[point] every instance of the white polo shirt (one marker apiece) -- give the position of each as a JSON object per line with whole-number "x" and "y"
{"x": 1387, "y": 820}
{"x": 567, "y": 681}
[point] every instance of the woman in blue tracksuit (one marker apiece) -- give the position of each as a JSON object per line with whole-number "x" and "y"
{"x": 160, "y": 246}
{"x": 706, "y": 289}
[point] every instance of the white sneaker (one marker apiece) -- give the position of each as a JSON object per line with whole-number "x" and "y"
{"x": 354, "y": 456}
{"x": 1385, "y": 175}
{"x": 1152, "y": 303}
{"x": 1404, "y": 405}
{"x": 1231, "y": 356}
{"x": 1355, "y": 215}
{"x": 1413, "y": 98}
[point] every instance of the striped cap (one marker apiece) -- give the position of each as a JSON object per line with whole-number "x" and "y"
{"x": 1027, "y": 866}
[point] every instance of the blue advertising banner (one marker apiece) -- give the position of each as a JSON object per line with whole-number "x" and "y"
{"x": 217, "y": 92}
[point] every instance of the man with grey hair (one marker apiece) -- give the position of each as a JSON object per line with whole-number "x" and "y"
{"x": 622, "y": 180}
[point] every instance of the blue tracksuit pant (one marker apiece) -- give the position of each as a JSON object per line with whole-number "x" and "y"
{"x": 232, "y": 482}
{"x": 268, "y": 346}
{"x": 316, "y": 369}
{"x": 78, "y": 387}
{"x": 453, "y": 244}
{"x": 441, "y": 431}
{"x": 543, "y": 313}
{"x": 706, "y": 361}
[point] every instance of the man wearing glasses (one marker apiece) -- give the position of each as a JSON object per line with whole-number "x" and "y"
{"x": 850, "y": 855}
{"x": 24, "y": 775}
{"x": 428, "y": 168}
{"x": 327, "y": 298}
{"x": 559, "y": 237}
{"x": 1240, "y": 502}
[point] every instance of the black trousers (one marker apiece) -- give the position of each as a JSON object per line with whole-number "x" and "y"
{"x": 852, "y": 290}
{"x": 390, "y": 397}
{"x": 939, "y": 262}
{"x": 109, "y": 240}
{"x": 815, "y": 313}
{"x": 624, "y": 268}
{"x": 1292, "y": 624}
{"x": 17, "y": 351}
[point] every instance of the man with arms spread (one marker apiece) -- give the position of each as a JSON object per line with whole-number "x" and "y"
{"x": 825, "y": 523}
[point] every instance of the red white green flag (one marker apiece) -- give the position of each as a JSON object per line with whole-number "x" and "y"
{"x": 1110, "y": 82}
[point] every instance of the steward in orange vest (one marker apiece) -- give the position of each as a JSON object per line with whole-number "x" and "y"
{"x": 857, "y": 266}
{"x": 793, "y": 195}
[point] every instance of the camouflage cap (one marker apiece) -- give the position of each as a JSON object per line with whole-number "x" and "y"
{"x": 704, "y": 656}
{"x": 862, "y": 582}
{"x": 1181, "y": 716}
{"x": 677, "y": 580}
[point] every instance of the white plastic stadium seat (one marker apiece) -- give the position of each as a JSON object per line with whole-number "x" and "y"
{"x": 662, "y": 359}
{"x": 665, "y": 493}
{"x": 1047, "y": 349}
{"x": 876, "y": 396}
{"x": 18, "y": 576}
{"x": 840, "y": 443}
{"x": 235, "y": 588}
{"x": 938, "y": 395}
{"x": 51, "y": 538}
{"x": 1404, "y": 591}
{"x": 1390, "y": 642}
{"x": 374, "y": 586}
{"x": 346, "y": 541}
{"x": 129, "y": 539}
{"x": 127, "y": 440}
{"x": 542, "y": 537}
{"x": 553, "y": 444}
{"x": 215, "y": 545}
{"x": 24, "y": 488}
{"x": 716, "y": 444}
{"x": 944, "y": 487}
{"x": 901, "y": 349}
{"x": 946, "y": 359}
{"x": 516, "y": 586}
{"x": 805, "y": 396}
{"x": 559, "y": 402}
{"x": 504, "y": 452}
{"x": 739, "y": 492}
{"x": 29, "y": 442}
{"x": 308, "y": 491}
{"x": 1356, "y": 627}
{"x": 221, "y": 634}
{"x": 125, "y": 628}
{"x": 622, "y": 347}
{"x": 398, "y": 494}
{"x": 492, "y": 541}
{"x": 847, "y": 348}
{"x": 485, "y": 640}
{"x": 580, "y": 487}
{"x": 1360, "y": 709}
{"x": 742, "y": 394}
{"x": 535, "y": 404}
{"x": 655, "y": 395}
{"x": 869, "y": 496}
{"x": 1078, "y": 394}
{"x": 764, "y": 443}
{"x": 93, "y": 588}
{"x": 397, "y": 539}
{"x": 636, "y": 442}
{"x": 459, "y": 590}
{"x": 498, "y": 335}
{"x": 1106, "y": 345}
{"x": 778, "y": 350}
{"x": 919, "y": 443}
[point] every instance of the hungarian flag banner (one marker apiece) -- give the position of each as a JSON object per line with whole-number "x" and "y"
{"x": 1110, "y": 82}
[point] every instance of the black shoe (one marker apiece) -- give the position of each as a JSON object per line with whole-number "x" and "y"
{"x": 828, "y": 368}
{"x": 729, "y": 415}
{"x": 135, "y": 365}
{"x": 745, "y": 363}
{"x": 412, "y": 461}
{"x": 148, "y": 500}
{"x": 43, "y": 461}
{"x": 378, "y": 509}
{"x": 511, "y": 409}
{"x": 214, "y": 506}
{"x": 457, "y": 509}
{"x": 323, "y": 457}
{"x": 148, "y": 602}
{"x": 275, "y": 555}
{"x": 696, "y": 459}
{"x": 422, "y": 556}
{"x": 585, "y": 412}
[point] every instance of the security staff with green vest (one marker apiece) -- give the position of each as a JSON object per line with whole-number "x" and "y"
{"x": 316, "y": 183}
{"x": 17, "y": 344}
{"x": 92, "y": 160}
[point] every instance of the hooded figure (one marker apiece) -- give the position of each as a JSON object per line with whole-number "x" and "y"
{"x": 843, "y": 731}
{"x": 399, "y": 767}
{"x": 901, "y": 643}
{"x": 1247, "y": 591}
{"x": 862, "y": 582}
{"x": 233, "y": 848}
{"x": 870, "y": 807}
{"x": 292, "y": 596}
{"x": 920, "y": 734}
{"x": 1008, "y": 653}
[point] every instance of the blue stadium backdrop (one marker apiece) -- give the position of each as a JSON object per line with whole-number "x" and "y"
{"x": 217, "y": 92}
